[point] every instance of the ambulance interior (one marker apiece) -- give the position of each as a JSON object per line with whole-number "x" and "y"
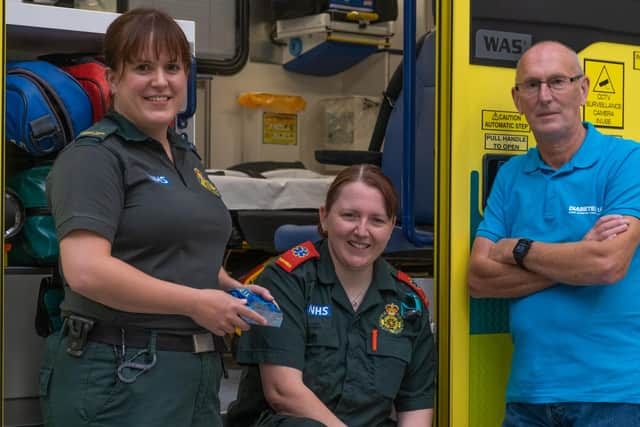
{"x": 272, "y": 164}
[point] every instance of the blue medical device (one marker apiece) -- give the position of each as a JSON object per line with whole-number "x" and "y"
{"x": 266, "y": 309}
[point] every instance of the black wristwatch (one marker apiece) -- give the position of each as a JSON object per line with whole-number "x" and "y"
{"x": 520, "y": 250}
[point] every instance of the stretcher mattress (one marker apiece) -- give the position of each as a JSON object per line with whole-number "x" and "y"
{"x": 280, "y": 189}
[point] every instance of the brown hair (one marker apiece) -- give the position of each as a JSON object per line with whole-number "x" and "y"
{"x": 133, "y": 32}
{"x": 371, "y": 176}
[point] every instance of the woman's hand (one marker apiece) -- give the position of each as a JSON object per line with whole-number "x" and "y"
{"x": 221, "y": 313}
{"x": 262, "y": 291}
{"x": 227, "y": 283}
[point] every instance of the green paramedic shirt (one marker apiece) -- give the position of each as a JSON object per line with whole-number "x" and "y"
{"x": 333, "y": 346}
{"x": 166, "y": 219}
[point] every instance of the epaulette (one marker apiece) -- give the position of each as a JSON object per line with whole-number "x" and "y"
{"x": 98, "y": 132}
{"x": 296, "y": 256}
{"x": 404, "y": 278}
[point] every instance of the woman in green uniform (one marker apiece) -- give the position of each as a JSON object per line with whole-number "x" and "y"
{"x": 142, "y": 235}
{"x": 355, "y": 342}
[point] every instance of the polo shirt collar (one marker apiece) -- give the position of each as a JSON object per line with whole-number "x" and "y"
{"x": 588, "y": 154}
{"x": 130, "y": 132}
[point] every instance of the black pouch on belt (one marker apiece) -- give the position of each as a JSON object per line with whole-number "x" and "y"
{"x": 77, "y": 329}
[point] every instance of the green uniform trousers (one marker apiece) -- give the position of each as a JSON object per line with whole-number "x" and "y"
{"x": 180, "y": 390}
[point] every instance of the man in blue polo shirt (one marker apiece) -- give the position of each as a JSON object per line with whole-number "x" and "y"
{"x": 559, "y": 238}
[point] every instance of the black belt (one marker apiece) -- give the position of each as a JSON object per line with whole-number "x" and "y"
{"x": 140, "y": 338}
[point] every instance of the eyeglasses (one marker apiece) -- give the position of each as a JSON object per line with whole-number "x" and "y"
{"x": 555, "y": 84}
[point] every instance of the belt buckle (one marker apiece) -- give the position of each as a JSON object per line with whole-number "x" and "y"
{"x": 203, "y": 343}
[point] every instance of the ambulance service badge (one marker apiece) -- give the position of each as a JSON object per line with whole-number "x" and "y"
{"x": 390, "y": 320}
{"x": 205, "y": 182}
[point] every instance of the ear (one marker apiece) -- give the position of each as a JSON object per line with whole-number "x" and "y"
{"x": 584, "y": 89}
{"x": 111, "y": 80}
{"x": 516, "y": 99}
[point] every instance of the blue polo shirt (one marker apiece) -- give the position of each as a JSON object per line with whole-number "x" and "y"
{"x": 571, "y": 343}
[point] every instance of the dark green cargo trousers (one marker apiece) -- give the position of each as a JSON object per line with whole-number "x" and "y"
{"x": 181, "y": 389}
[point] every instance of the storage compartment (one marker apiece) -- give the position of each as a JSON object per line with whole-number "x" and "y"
{"x": 349, "y": 121}
{"x": 322, "y": 46}
{"x": 271, "y": 126}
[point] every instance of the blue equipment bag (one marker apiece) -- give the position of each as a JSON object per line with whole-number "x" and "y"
{"x": 45, "y": 107}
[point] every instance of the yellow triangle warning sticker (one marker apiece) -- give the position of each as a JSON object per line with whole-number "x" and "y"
{"x": 604, "y": 106}
{"x": 604, "y": 83}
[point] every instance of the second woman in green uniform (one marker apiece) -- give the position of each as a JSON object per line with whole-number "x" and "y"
{"x": 356, "y": 341}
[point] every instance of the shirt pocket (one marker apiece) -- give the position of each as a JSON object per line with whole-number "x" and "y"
{"x": 390, "y": 360}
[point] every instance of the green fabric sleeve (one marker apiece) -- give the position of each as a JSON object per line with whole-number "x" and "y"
{"x": 85, "y": 190}
{"x": 285, "y": 345}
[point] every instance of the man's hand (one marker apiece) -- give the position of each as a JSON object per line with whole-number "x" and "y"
{"x": 502, "y": 251}
{"x": 607, "y": 227}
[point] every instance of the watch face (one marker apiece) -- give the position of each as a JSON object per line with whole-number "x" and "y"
{"x": 520, "y": 250}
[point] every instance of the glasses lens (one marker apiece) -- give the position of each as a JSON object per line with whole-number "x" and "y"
{"x": 558, "y": 83}
{"x": 529, "y": 87}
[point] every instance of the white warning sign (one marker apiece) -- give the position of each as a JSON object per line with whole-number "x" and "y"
{"x": 499, "y": 141}
{"x": 605, "y": 101}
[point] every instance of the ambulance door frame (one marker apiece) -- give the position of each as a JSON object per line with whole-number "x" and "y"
{"x": 452, "y": 391}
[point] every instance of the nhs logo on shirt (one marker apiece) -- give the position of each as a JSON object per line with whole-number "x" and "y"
{"x": 584, "y": 210}
{"x": 159, "y": 179}
{"x": 319, "y": 310}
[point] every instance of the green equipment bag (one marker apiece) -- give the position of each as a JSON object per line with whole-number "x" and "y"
{"x": 37, "y": 243}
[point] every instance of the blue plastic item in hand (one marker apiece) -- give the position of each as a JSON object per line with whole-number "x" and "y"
{"x": 265, "y": 308}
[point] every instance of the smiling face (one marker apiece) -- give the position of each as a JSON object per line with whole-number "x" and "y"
{"x": 358, "y": 227}
{"x": 148, "y": 59}
{"x": 149, "y": 91}
{"x": 552, "y": 114}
